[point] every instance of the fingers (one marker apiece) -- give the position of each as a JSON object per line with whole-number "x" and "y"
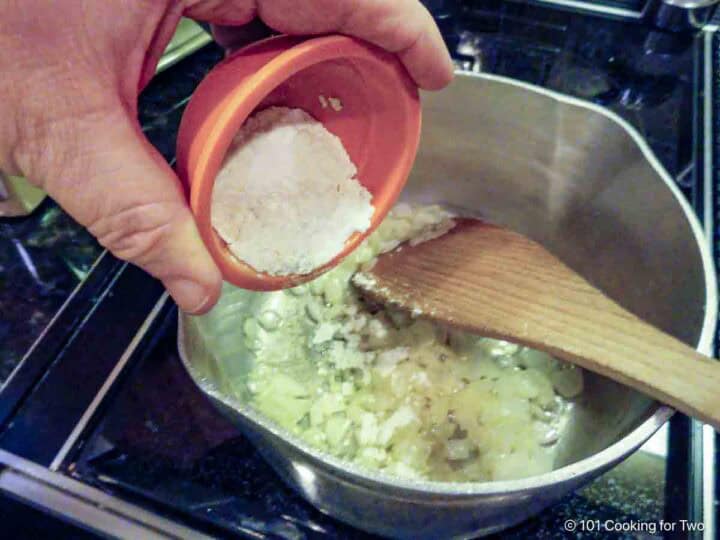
{"x": 403, "y": 27}
{"x": 427, "y": 58}
{"x": 229, "y": 12}
{"x": 109, "y": 178}
{"x": 235, "y": 37}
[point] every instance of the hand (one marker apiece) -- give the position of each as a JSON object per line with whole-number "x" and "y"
{"x": 71, "y": 74}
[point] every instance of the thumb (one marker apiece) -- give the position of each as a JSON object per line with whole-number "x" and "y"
{"x": 110, "y": 179}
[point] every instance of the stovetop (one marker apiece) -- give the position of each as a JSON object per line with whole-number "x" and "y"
{"x": 42, "y": 259}
{"x": 104, "y": 405}
{"x": 190, "y": 459}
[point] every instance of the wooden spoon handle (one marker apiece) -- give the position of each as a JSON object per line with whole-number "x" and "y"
{"x": 630, "y": 351}
{"x": 497, "y": 283}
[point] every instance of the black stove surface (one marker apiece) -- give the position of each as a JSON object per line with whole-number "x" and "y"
{"x": 156, "y": 441}
{"x": 161, "y": 442}
{"x": 43, "y": 257}
{"x": 644, "y": 75}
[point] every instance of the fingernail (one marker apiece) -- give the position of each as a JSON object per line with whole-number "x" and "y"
{"x": 190, "y": 296}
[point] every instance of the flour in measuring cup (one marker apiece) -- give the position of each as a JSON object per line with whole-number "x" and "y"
{"x": 287, "y": 198}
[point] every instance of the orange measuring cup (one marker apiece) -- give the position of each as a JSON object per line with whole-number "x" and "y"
{"x": 378, "y": 123}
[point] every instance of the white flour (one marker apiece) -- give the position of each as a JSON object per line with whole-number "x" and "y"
{"x": 286, "y": 198}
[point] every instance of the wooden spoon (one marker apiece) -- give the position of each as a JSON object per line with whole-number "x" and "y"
{"x": 497, "y": 283}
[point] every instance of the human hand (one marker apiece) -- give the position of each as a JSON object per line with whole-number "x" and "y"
{"x": 72, "y": 72}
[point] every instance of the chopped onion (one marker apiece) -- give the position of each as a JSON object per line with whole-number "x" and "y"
{"x": 403, "y": 395}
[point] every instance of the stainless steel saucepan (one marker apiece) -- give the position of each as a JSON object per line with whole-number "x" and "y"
{"x": 572, "y": 176}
